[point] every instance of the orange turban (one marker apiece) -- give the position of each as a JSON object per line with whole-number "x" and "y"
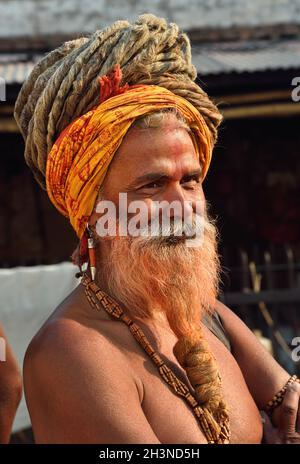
{"x": 79, "y": 159}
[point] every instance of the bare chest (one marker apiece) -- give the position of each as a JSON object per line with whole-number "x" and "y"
{"x": 171, "y": 418}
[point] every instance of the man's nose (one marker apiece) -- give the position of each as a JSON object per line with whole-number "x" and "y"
{"x": 174, "y": 194}
{"x": 190, "y": 204}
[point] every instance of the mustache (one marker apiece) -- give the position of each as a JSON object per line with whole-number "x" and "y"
{"x": 172, "y": 231}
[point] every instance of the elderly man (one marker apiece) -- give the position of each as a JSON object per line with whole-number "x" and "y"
{"x": 141, "y": 351}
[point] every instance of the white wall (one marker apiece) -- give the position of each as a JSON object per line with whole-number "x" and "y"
{"x": 37, "y": 17}
{"x": 28, "y": 296}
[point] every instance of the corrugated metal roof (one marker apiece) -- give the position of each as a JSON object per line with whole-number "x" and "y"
{"x": 14, "y": 68}
{"x": 209, "y": 59}
{"x": 246, "y": 57}
{"x": 15, "y": 73}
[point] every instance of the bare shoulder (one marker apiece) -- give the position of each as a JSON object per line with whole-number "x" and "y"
{"x": 242, "y": 338}
{"x": 74, "y": 331}
{"x": 76, "y": 334}
{"x": 224, "y": 311}
{"x": 263, "y": 374}
{"x": 70, "y": 347}
{"x": 80, "y": 388}
{"x": 232, "y": 323}
{"x": 64, "y": 338}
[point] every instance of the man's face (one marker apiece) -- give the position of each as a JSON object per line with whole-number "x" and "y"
{"x": 149, "y": 275}
{"x": 154, "y": 165}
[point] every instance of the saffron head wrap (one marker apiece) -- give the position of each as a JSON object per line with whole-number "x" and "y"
{"x": 80, "y": 157}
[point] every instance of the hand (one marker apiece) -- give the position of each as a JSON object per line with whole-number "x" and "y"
{"x": 287, "y": 419}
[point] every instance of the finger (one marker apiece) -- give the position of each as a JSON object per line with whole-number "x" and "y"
{"x": 288, "y": 419}
{"x": 270, "y": 434}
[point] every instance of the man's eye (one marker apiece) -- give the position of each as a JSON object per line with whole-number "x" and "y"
{"x": 192, "y": 181}
{"x": 153, "y": 185}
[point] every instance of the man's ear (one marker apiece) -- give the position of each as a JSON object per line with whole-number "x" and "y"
{"x": 95, "y": 216}
{"x": 93, "y": 219}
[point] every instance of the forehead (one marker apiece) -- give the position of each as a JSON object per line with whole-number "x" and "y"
{"x": 144, "y": 150}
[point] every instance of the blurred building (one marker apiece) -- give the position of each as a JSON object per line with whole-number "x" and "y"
{"x": 248, "y": 59}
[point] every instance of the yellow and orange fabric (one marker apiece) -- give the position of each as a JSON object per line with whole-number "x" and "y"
{"x": 80, "y": 157}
